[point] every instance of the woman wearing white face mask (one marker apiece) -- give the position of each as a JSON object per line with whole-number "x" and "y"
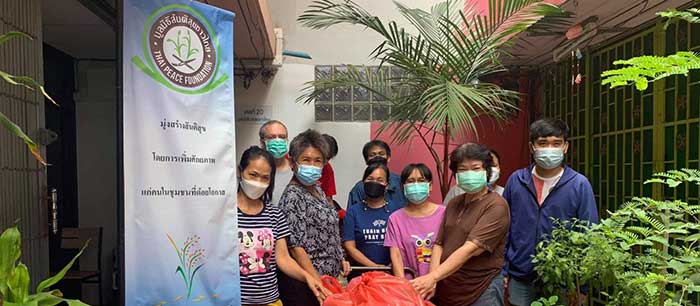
{"x": 261, "y": 234}
{"x": 495, "y": 175}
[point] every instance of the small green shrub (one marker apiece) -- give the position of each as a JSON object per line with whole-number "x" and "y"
{"x": 14, "y": 277}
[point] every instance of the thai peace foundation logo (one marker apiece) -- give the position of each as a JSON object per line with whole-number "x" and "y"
{"x": 181, "y": 50}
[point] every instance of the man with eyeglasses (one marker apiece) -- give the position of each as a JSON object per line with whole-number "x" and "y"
{"x": 274, "y": 139}
{"x": 546, "y": 191}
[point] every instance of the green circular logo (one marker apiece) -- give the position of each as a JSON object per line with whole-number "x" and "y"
{"x": 181, "y": 50}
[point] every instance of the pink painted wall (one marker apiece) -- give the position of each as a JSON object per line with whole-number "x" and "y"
{"x": 510, "y": 140}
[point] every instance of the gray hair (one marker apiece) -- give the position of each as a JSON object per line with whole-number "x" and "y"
{"x": 308, "y": 139}
{"x": 261, "y": 132}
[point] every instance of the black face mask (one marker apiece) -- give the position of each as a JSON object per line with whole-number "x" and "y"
{"x": 377, "y": 160}
{"x": 374, "y": 190}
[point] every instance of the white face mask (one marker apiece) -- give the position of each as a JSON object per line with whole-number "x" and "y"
{"x": 253, "y": 189}
{"x": 495, "y": 174}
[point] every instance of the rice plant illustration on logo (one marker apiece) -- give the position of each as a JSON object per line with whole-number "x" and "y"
{"x": 180, "y": 50}
{"x": 179, "y": 44}
{"x": 191, "y": 260}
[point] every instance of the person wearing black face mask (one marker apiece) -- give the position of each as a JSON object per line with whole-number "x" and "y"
{"x": 377, "y": 151}
{"x": 365, "y": 224}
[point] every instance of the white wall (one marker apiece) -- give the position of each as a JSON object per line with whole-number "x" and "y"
{"x": 280, "y": 95}
{"x": 336, "y": 45}
{"x": 96, "y": 128}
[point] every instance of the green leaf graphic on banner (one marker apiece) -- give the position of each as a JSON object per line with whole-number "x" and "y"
{"x": 190, "y": 259}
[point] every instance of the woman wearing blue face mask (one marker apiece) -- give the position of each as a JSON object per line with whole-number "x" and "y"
{"x": 412, "y": 230}
{"x": 314, "y": 241}
{"x": 469, "y": 249}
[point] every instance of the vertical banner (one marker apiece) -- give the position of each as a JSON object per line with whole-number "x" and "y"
{"x": 179, "y": 155}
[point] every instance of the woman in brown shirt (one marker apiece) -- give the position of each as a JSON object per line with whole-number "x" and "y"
{"x": 469, "y": 249}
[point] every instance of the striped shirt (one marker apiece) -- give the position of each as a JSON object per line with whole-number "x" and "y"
{"x": 256, "y": 238}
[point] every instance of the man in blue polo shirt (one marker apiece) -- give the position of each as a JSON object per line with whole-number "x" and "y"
{"x": 377, "y": 151}
{"x": 546, "y": 190}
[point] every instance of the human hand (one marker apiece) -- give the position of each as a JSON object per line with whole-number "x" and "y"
{"x": 346, "y": 268}
{"x": 317, "y": 288}
{"x": 424, "y": 285}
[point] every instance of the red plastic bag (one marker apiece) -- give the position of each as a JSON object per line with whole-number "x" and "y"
{"x": 375, "y": 289}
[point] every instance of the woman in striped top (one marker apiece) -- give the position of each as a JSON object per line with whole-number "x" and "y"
{"x": 261, "y": 234}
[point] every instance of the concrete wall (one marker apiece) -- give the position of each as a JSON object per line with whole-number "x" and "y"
{"x": 336, "y": 45}
{"x": 96, "y": 126}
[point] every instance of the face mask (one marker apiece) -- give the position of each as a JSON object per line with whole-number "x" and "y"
{"x": 416, "y": 193}
{"x": 377, "y": 159}
{"x": 495, "y": 174}
{"x": 277, "y": 147}
{"x": 253, "y": 189}
{"x": 308, "y": 175}
{"x": 549, "y": 158}
{"x": 374, "y": 190}
{"x": 471, "y": 181}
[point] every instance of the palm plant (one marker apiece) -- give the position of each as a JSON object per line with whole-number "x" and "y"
{"x": 442, "y": 89}
{"x": 28, "y": 83}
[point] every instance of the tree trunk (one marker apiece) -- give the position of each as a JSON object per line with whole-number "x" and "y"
{"x": 445, "y": 181}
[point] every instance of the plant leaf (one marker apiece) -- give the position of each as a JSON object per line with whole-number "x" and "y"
{"x": 18, "y": 284}
{"x": 12, "y": 34}
{"x": 45, "y": 284}
{"x": 10, "y": 252}
{"x": 15, "y": 130}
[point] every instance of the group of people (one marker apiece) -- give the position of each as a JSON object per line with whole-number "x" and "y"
{"x": 464, "y": 251}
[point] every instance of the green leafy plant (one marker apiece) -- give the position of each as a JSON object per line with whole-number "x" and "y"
{"x": 550, "y": 301}
{"x": 30, "y": 84}
{"x": 444, "y": 59}
{"x": 642, "y": 70}
{"x": 190, "y": 258}
{"x": 645, "y": 253}
{"x": 14, "y": 276}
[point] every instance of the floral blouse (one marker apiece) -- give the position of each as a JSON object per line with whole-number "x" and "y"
{"x": 314, "y": 227}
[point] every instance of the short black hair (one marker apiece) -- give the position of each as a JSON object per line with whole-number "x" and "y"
{"x": 548, "y": 127}
{"x": 375, "y": 143}
{"x": 472, "y": 151}
{"x": 494, "y": 153}
{"x": 422, "y": 168}
{"x": 375, "y": 166}
{"x": 332, "y": 145}
{"x": 308, "y": 139}
{"x": 252, "y": 154}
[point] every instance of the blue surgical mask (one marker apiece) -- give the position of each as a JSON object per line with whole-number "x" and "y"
{"x": 416, "y": 193}
{"x": 549, "y": 158}
{"x": 308, "y": 175}
{"x": 471, "y": 181}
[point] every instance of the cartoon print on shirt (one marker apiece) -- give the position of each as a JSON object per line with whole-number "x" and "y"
{"x": 256, "y": 250}
{"x": 424, "y": 247}
{"x": 245, "y": 263}
{"x": 246, "y": 240}
{"x": 265, "y": 238}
